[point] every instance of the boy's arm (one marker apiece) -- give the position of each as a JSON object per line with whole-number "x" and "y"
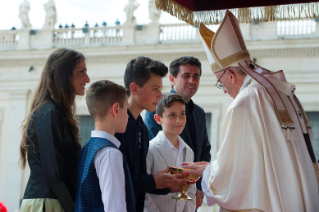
{"x": 108, "y": 163}
{"x": 152, "y": 126}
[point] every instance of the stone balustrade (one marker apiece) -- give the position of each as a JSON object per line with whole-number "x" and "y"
{"x": 87, "y": 36}
{"x": 9, "y": 39}
{"x": 145, "y": 34}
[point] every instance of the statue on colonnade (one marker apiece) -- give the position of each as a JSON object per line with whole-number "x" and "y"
{"x": 24, "y": 10}
{"x": 154, "y": 13}
{"x": 129, "y": 9}
{"x": 50, "y": 15}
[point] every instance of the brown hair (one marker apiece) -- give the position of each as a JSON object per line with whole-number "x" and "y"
{"x": 139, "y": 70}
{"x": 186, "y": 60}
{"x": 55, "y": 84}
{"x": 167, "y": 101}
{"x": 101, "y": 95}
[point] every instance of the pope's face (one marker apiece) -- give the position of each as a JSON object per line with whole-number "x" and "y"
{"x": 227, "y": 80}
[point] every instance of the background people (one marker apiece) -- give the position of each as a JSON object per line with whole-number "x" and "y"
{"x": 50, "y": 135}
{"x": 184, "y": 76}
{"x": 143, "y": 79}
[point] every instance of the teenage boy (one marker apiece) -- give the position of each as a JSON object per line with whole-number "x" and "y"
{"x": 185, "y": 73}
{"x": 143, "y": 79}
{"x": 104, "y": 181}
{"x": 169, "y": 149}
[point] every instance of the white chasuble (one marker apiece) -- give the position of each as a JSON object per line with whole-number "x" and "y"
{"x": 260, "y": 166}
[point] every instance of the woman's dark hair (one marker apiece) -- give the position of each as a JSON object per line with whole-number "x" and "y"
{"x": 55, "y": 84}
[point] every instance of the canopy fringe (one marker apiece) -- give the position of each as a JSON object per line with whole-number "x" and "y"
{"x": 244, "y": 15}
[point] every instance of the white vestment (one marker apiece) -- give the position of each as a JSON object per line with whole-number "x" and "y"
{"x": 260, "y": 166}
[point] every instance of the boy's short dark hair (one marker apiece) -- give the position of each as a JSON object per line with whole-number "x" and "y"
{"x": 167, "y": 101}
{"x": 139, "y": 70}
{"x": 101, "y": 95}
{"x": 174, "y": 66}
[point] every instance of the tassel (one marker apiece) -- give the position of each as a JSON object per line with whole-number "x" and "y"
{"x": 244, "y": 15}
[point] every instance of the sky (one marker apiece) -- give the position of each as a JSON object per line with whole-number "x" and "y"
{"x": 76, "y": 12}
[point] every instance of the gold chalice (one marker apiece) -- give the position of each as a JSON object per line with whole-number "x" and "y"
{"x": 191, "y": 178}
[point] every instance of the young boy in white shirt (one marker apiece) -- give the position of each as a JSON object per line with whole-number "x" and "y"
{"x": 169, "y": 149}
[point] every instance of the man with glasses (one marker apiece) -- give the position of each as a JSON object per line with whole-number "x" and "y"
{"x": 185, "y": 73}
{"x": 266, "y": 161}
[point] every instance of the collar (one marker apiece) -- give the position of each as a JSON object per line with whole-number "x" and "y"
{"x": 181, "y": 143}
{"x": 246, "y": 82}
{"x": 132, "y": 121}
{"x": 105, "y": 135}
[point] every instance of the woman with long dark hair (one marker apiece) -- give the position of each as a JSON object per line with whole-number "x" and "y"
{"x": 50, "y": 140}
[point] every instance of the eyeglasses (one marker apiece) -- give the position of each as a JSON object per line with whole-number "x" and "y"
{"x": 218, "y": 84}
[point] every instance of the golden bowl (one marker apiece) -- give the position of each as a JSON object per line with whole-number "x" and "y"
{"x": 190, "y": 177}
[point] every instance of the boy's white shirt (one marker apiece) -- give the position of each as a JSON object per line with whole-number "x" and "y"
{"x": 108, "y": 164}
{"x": 172, "y": 157}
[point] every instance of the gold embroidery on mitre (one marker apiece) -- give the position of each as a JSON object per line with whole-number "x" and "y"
{"x": 215, "y": 67}
{"x": 234, "y": 58}
{"x": 285, "y": 117}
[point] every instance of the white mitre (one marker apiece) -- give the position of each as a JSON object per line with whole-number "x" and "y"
{"x": 227, "y": 48}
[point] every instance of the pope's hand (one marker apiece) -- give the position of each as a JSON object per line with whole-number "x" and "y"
{"x": 195, "y": 168}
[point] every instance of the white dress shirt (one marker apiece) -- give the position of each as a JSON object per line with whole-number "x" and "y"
{"x": 108, "y": 163}
{"x": 179, "y": 158}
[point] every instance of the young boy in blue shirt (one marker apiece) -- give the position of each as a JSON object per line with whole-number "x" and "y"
{"x": 169, "y": 149}
{"x": 104, "y": 182}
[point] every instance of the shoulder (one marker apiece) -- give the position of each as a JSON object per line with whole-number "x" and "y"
{"x": 197, "y": 108}
{"x": 47, "y": 111}
{"x": 149, "y": 114}
{"x": 156, "y": 141}
{"x": 108, "y": 153}
{"x": 252, "y": 95}
{"x": 253, "y": 92}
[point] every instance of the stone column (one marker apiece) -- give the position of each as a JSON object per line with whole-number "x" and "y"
{"x": 12, "y": 175}
{"x": 24, "y": 40}
{"x": 245, "y": 30}
{"x": 153, "y": 33}
{"x": 128, "y": 34}
{"x": 44, "y": 39}
{"x": 264, "y": 31}
{"x": 317, "y": 27}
